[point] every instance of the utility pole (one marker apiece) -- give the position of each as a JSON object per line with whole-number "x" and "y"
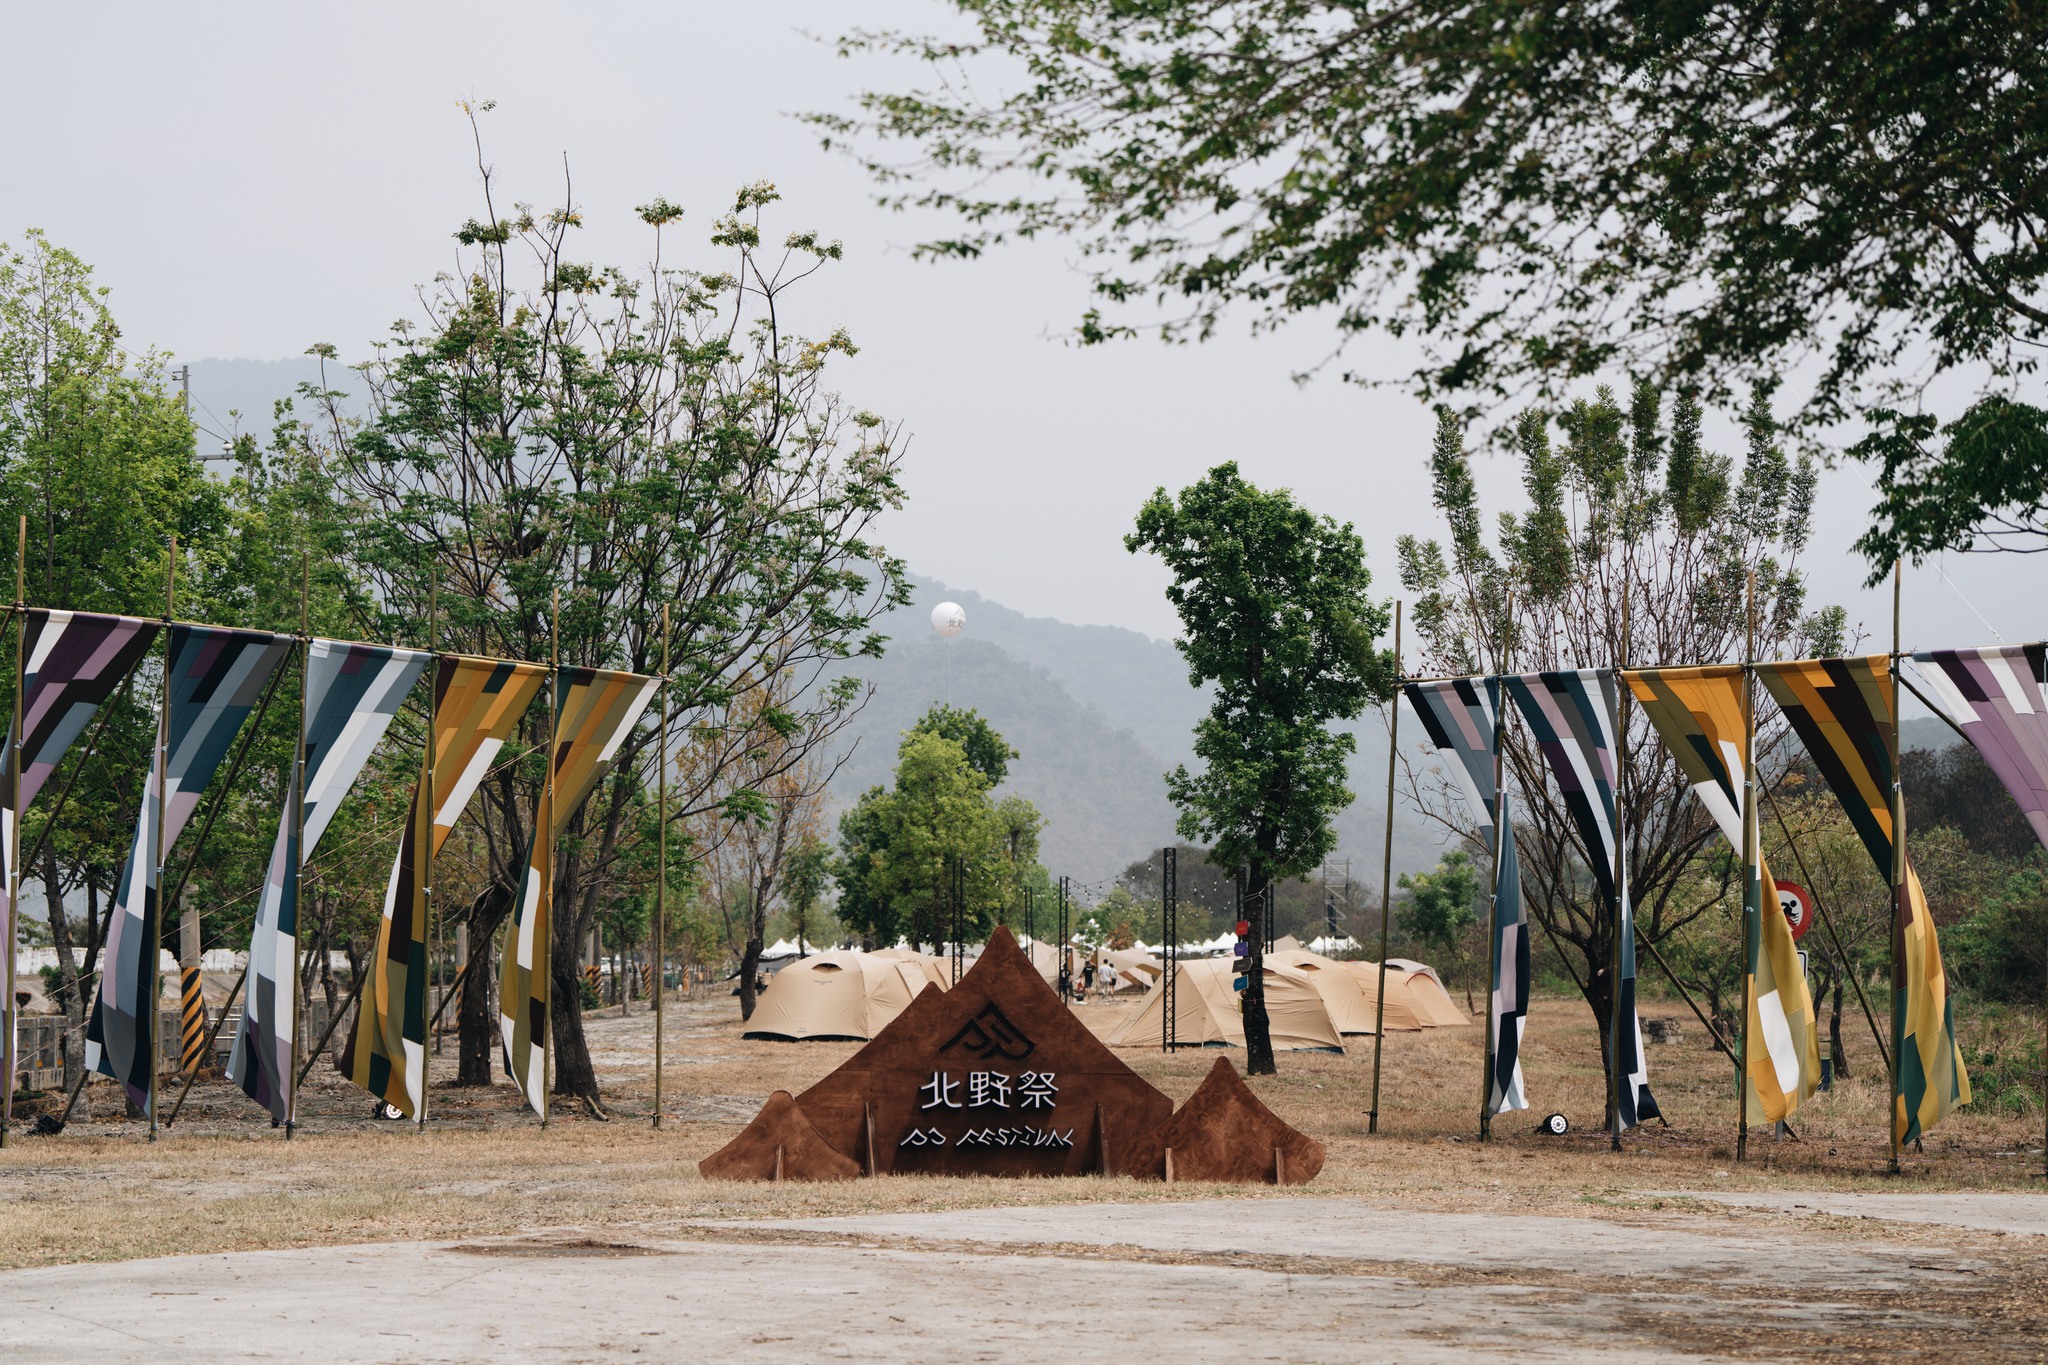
{"x": 183, "y": 374}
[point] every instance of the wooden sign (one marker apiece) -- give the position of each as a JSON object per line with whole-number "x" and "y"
{"x": 993, "y": 1077}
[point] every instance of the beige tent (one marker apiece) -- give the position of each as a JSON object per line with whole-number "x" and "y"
{"x": 1416, "y": 998}
{"x": 1350, "y": 1007}
{"x": 1134, "y": 970}
{"x": 839, "y": 995}
{"x": 1206, "y": 1010}
{"x": 938, "y": 971}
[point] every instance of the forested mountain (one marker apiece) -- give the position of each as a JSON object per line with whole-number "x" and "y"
{"x": 1098, "y": 714}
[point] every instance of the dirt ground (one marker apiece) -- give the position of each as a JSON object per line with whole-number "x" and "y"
{"x": 222, "y": 1183}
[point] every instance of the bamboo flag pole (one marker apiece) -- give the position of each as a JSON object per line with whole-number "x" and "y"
{"x": 661, "y": 866}
{"x": 544, "y": 822}
{"x": 423, "y": 857}
{"x": 153, "y": 948}
{"x": 298, "y": 869}
{"x": 1898, "y": 881}
{"x": 1752, "y": 928}
{"x": 1500, "y": 810}
{"x": 1615, "y": 1078}
{"x": 1379, "y": 1028}
{"x": 13, "y": 831}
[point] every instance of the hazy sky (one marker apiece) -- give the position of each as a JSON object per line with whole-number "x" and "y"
{"x": 250, "y": 179}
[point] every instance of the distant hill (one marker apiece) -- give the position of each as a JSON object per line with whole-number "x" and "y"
{"x": 1099, "y": 715}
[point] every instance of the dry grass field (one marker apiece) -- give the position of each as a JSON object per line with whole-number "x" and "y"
{"x": 223, "y": 1180}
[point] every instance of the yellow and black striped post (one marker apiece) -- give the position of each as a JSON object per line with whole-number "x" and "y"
{"x": 192, "y": 1051}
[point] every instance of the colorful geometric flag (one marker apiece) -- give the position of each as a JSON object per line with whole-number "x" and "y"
{"x": 478, "y": 703}
{"x": 1572, "y": 716}
{"x": 216, "y": 676}
{"x": 352, "y": 692}
{"x": 1841, "y": 709}
{"x": 1995, "y": 697}
{"x": 594, "y": 711}
{"x": 1510, "y": 1003}
{"x": 71, "y": 662}
{"x": 1459, "y": 715}
{"x": 1699, "y": 714}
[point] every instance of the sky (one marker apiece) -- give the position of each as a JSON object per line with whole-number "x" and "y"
{"x": 251, "y": 179}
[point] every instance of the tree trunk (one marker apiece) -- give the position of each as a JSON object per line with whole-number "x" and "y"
{"x": 1258, "y": 1028}
{"x": 476, "y": 1013}
{"x": 70, "y": 998}
{"x": 1600, "y": 996}
{"x": 1835, "y": 1049}
{"x": 750, "y": 963}
{"x": 575, "y": 1074}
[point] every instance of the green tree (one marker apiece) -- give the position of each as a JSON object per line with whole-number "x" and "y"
{"x": 1636, "y": 543}
{"x": 1985, "y": 489}
{"x": 987, "y": 750}
{"x": 1521, "y": 193}
{"x": 1275, "y": 614}
{"x": 803, "y": 883}
{"x": 1442, "y": 907}
{"x": 632, "y": 441}
{"x": 898, "y": 844}
{"x": 98, "y": 456}
{"x": 937, "y": 816}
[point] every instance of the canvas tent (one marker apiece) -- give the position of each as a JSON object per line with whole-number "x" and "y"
{"x": 1134, "y": 970}
{"x": 1206, "y": 1011}
{"x": 935, "y": 970}
{"x": 836, "y": 995}
{"x": 1416, "y": 998}
{"x": 1349, "y": 1007}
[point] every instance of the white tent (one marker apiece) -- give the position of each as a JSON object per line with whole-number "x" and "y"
{"x": 1330, "y": 946}
{"x": 836, "y": 995}
{"x": 1206, "y": 1010}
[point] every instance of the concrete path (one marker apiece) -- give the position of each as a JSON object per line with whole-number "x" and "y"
{"x": 2022, "y": 1213}
{"x": 1217, "y": 1280}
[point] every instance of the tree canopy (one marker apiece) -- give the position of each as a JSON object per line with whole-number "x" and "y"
{"x": 1274, "y": 612}
{"x": 1526, "y": 193}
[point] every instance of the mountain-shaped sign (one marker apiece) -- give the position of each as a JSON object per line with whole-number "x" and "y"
{"x": 993, "y": 1077}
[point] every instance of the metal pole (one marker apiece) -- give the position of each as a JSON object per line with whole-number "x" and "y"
{"x": 1060, "y": 970}
{"x": 153, "y": 941}
{"x": 298, "y": 870}
{"x": 1379, "y": 1027}
{"x": 1752, "y": 927}
{"x": 13, "y": 831}
{"x": 424, "y": 857}
{"x": 1898, "y": 882}
{"x": 661, "y": 868}
{"x": 546, "y": 950}
{"x": 1169, "y": 926}
{"x": 1621, "y": 924}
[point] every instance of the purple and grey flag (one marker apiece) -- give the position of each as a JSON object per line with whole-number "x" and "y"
{"x": 1996, "y": 698}
{"x": 352, "y": 692}
{"x": 71, "y": 662}
{"x": 1572, "y": 715}
{"x": 215, "y": 678}
{"x": 1460, "y": 716}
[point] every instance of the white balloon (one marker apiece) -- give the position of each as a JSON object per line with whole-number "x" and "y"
{"x": 948, "y": 618}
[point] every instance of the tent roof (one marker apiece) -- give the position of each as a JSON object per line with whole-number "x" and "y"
{"x": 844, "y": 995}
{"x": 1206, "y": 1010}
